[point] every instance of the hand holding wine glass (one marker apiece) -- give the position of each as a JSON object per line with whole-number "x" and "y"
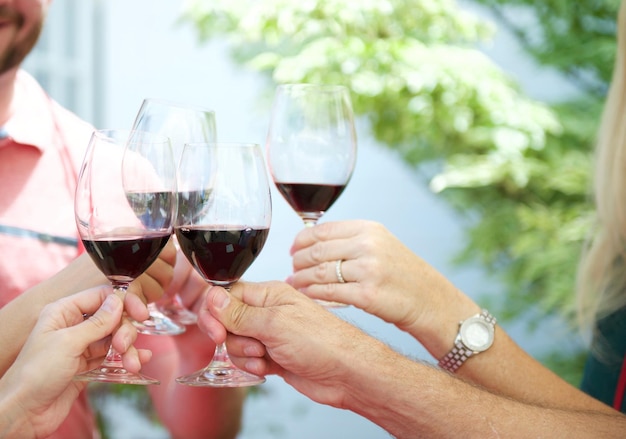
{"x": 124, "y": 207}
{"x": 182, "y": 124}
{"x": 311, "y": 148}
{"x": 224, "y": 215}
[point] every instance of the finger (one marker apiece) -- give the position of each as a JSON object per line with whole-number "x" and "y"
{"x": 324, "y": 273}
{"x": 145, "y": 355}
{"x": 249, "y": 354}
{"x": 101, "y": 323}
{"x": 342, "y": 293}
{"x": 211, "y": 326}
{"x": 265, "y": 294}
{"x": 152, "y": 283}
{"x": 239, "y": 346}
{"x": 124, "y": 336}
{"x": 327, "y": 252}
{"x": 147, "y": 286}
{"x": 160, "y": 272}
{"x": 98, "y": 349}
{"x": 136, "y": 308}
{"x": 193, "y": 290}
{"x": 97, "y": 326}
{"x": 169, "y": 253}
{"x": 69, "y": 311}
{"x": 92, "y": 363}
{"x": 181, "y": 273}
{"x": 239, "y": 310}
{"x": 132, "y": 358}
{"x": 259, "y": 366}
{"x": 326, "y": 231}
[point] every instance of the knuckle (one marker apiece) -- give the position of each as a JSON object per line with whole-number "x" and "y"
{"x": 369, "y": 244}
{"x": 372, "y": 265}
{"x": 51, "y": 309}
{"x": 237, "y": 317}
{"x": 319, "y": 272}
{"x": 329, "y": 291}
{"x": 374, "y": 225}
{"x": 322, "y": 231}
{"x": 317, "y": 253}
{"x": 97, "y": 321}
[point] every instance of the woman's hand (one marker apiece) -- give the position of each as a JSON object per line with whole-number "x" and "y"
{"x": 381, "y": 276}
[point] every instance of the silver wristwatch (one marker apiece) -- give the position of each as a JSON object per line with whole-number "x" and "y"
{"x": 475, "y": 336}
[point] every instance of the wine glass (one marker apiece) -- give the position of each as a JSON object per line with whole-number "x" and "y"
{"x": 182, "y": 123}
{"x": 311, "y": 148}
{"x": 223, "y": 220}
{"x": 124, "y": 206}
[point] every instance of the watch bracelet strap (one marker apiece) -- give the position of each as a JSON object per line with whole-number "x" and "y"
{"x": 459, "y": 352}
{"x": 456, "y": 357}
{"x": 488, "y": 317}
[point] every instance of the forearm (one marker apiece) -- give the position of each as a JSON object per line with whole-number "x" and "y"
{"x": 18, "y": 317}
{"x": 508, "y": 370}
{"x": 410, "y": 399}
{"x": 504, "y": 368}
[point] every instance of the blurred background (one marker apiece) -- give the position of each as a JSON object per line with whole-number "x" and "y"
{"x": 475, "y": 127}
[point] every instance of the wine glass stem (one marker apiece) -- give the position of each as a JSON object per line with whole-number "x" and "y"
{"x": 113, "y": 358}
{"x": 309, "y": 222}
{"x": 120, "y": 289}
{"x": 221, "y": 354}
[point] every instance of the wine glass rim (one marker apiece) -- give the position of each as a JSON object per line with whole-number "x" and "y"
{"x": 112, "y": 134}
{"x": 322, "y": 87}
{"x": 178, "y": 104}
{"x": 225, "y": 144}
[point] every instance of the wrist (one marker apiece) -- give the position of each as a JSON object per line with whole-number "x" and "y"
{"x": 438, "y": 327}
{"x": 14, "y": 420}
{"x": 475, "y": 335}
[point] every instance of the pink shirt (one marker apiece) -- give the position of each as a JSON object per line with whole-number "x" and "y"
{"x": 39, "y": 162}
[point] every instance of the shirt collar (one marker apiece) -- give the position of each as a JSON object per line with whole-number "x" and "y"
{"x": 32, "y": 122}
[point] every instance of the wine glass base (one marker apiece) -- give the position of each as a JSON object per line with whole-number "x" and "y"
{"x": 329, "y": 304}
{"x": 181, "y": 316}
{"x": 118, "y": 375}
{"x": 220, "y": 375}
{"x": 156, "y": 325}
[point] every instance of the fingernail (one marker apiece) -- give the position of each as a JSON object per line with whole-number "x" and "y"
{"x": 220, "y": 298}
{"x": 110, "y": 303}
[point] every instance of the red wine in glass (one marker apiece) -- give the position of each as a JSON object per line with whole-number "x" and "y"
{"x": 310, "y": 201}
{"x": 125, "y": 258}
{"x": 221, "y": 254}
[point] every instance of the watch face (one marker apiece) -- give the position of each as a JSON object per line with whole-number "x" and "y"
{"x": 476, "y": 334}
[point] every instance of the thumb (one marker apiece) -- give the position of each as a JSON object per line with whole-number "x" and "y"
{"x": 103, "y": 322}
{"x": 229, "y": 310}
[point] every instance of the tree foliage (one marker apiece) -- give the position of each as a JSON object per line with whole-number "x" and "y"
{"x": 518, "y": 170}
{"x": 578, "y": 39}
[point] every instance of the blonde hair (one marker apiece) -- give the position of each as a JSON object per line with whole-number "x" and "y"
{"x": 601, "y": 280}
